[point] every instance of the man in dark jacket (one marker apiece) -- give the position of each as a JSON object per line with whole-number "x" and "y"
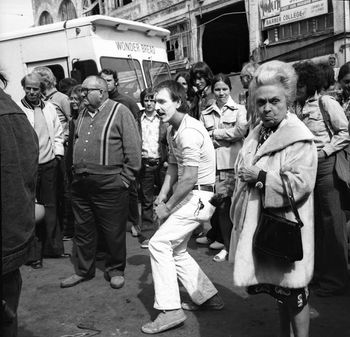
{"x": 19, "y": 161}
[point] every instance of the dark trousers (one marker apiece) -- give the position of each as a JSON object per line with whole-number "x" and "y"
{"x": 100, "y": 201}
{"x": 330, "y": 231}
{"x": 11, "y": 290}
{"x": 221, "y": 225}
{"x": 48, "y": 237}
{"x": 150, "y": 183}
{"x": 134, "y": 214}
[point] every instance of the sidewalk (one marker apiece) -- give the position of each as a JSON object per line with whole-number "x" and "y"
{"x": 46, "y": 310}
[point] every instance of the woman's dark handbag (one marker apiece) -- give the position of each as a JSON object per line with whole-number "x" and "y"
{"x": 278, "y": 237}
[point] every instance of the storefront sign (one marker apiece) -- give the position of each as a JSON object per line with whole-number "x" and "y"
{"x": 281, "y": 12}
{"x": 269, "y": 8}
{"x": 296, "y": 10}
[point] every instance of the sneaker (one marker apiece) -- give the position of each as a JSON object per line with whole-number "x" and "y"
{"x": 214, "y": 303}
{"x": 221, "y": 257}
{"x": 165, "y": 321}
{"x": 144, "y": 244}
{"x": 216, "y": 245}
{"x": 203, "y": 241}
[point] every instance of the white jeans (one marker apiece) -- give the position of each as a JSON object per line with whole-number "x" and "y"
{"x": 170, "y": 259}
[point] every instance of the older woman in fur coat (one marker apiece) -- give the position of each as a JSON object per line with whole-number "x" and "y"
{"x": 281, "y": 143}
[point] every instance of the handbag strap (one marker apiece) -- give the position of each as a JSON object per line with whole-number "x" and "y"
{"x": 288, "y": 189}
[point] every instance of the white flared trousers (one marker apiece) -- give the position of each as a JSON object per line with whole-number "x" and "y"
{"x": 171, "y": 261}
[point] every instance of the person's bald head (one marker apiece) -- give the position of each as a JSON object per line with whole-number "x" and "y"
{"x": 94, "y": 92}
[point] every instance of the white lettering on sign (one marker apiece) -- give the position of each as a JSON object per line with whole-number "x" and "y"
{"x": 135, "y": 47}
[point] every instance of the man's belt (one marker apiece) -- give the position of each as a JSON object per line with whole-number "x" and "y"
{"x": 150, "y": 161}
{"x": 208, "y": 188}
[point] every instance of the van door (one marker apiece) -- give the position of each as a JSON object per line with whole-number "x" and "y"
{"x": 59, "y": 67}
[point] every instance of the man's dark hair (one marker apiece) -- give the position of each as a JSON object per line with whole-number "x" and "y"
{"x": 66, "y": 84}
{"x": 344, "y": 70}
{"x": 309, "y": 75}
{"x": 203, "y": 70}
{"x": 108, "y": 71}
{"x": 177, "y": 93}
{"x": 3, "y": 79}
{"x": 148, "y": 92}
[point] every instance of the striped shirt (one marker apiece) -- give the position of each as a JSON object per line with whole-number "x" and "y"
{"x": 107, "y": 142}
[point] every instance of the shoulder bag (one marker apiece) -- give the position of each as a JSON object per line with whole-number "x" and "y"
{"x": 278, "y": 237}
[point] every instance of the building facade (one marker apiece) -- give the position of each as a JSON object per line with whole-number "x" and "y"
{"x": 227, "y": 33}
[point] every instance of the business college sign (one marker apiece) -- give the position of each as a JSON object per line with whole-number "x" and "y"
{"x": 274, "y": 12}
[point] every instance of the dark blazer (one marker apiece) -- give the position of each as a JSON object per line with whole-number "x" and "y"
{"x": 19, "y": 163}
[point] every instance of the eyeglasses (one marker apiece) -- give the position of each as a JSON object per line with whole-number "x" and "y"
{"x": 149, "y": 100}
{"x": 86, "y": 91}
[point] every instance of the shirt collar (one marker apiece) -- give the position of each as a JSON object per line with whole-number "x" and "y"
{"x": 230, "y": 104}
{"x": 144, "y": 116}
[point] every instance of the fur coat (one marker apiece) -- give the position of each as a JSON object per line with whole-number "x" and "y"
{"x": 290, "y": 149}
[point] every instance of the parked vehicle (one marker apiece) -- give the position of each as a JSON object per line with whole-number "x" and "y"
{"x": 81, "y": 47}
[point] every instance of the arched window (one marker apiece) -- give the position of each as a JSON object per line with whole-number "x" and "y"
{"x": 45, "y": 18}
{"x": 67, "y": 10}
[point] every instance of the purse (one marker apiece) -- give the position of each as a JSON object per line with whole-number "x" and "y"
{"x": 278, "y": 237}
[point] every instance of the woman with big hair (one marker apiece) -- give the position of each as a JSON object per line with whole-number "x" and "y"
{"x": 344, "y": 82}
{"x": 280, "y": 143}
{"x": 201, "y": 78}
{"x": 325, "y": 118}
{"x": 184, "y": 79}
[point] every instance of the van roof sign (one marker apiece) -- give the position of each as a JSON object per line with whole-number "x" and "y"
{"x": 98, "y": 20}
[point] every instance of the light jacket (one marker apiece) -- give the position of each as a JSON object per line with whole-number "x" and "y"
{"x": 227, "y": 129}
{"x": 290, "y": 149}
{"x": 53, "y": 124}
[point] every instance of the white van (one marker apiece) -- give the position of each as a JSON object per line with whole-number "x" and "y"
{"x": 82, "y": 47}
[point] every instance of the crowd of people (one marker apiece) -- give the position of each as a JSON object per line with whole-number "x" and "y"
{"x": 191, "y": 155}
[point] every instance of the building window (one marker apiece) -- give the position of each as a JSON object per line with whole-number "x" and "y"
{"x": 120, "y": 3}
{"x": 67, "y": 10}
{"x": 178, "y": 44}
{"x": 45, "y": 18}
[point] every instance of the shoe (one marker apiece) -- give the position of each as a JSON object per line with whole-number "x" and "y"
{"x": 144, "y": 244}
{"x": 221, "y": 257}
{"x": 214, "y": 303}
{"x": 216, "y": 245}
{"x": 38, "y": 264}
{"x": 67, "y": 237}
{"x": 135, "y": 231}
{"x": 203, "y": 240}
{"x": 73, "y": 280}
{"x": 117, "y": 282}
{"x": 165, "y": 321}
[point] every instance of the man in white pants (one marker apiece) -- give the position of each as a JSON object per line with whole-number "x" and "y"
{"x": 190, "y": 177}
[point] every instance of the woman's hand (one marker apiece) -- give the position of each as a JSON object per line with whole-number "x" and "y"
{"x": 249, "y": 174}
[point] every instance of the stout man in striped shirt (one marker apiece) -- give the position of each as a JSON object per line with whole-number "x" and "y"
{"x": 106, "y": 158}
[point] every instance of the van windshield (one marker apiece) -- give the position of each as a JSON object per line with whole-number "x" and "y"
{"x": 129, "y": 72}
{"x": 156, "y": 72}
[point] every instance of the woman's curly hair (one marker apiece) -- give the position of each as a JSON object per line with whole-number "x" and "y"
{"x": 309, "y": 75}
